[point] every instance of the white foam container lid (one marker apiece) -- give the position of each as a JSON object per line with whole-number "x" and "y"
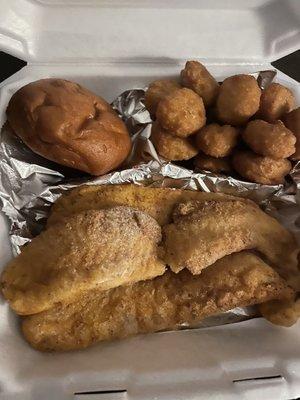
{"x": 110, "y": 46}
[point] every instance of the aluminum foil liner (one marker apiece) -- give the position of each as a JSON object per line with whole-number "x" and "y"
{"x": 30, "y": 184}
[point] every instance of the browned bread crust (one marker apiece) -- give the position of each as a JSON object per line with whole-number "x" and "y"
{"x": 70, "y": 125}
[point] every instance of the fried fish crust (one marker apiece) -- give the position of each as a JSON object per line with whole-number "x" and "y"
{"x": 284, "y": 313}
{"x": 157, "y": 202}
{"x": 163, "y": 303}
{"x": 204, "y": 232}
{"x": 93, "y": 249}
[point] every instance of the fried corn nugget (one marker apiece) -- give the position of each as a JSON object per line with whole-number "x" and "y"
{"x": 182, "y": 112}
{"x": 283, "y": 313}
{"x": 259, "y": 169}
{"x": 94, "y": 249}
{"x": 156, "y": 91}
{"x": 276, "y": 100}
{"x": 171, "y": 147}
{"x": 202, "y": 233}
{"x": 208, "y": 163}
{"x": 292, "y": 122}
{"x": 216, "y": 140}
{"x": 238, "y": 99}
{"x": 271, "y": 140}
{"x": 163, "y": 303}
{"x": 196, "y": 77}
{"x": 157, "y": 202}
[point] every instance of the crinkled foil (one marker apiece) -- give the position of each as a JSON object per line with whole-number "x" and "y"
{"x": 30, "y": 184}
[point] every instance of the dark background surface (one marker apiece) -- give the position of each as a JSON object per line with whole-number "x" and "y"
{"x": 290, "y": 65}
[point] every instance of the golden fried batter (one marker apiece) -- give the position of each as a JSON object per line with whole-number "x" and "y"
{"x": 204, "y": 232}
{"x": 217, "y": 165}
{"x": 271, "y": 140}
{"x": 171, "y": 147}
{"x": 182, "y": 112}
{"x": 156, "y": 91}
{"x": 157, "y": 202}
{"x": 163, "y": 303}
{"x": 276, "y": 100}
{"x": 238, "y": 99}
{"x": 283, "y": 313}
{"x": 94, "y": 249}
{"x": 196, "y": 77}
{"x": 259, "y": 169}
{"x": 216, "y": 140}
{"x": 292, "y": 122}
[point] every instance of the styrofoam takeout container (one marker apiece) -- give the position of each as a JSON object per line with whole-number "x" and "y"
{"x": 109, "y": 46}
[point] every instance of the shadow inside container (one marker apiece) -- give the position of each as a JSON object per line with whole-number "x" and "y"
{"x": 280, "y": 21}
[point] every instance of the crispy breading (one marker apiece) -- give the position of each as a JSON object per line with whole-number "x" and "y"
{"x": 217, "y": 140}
{"x": 292, "y": 122}
{"x": 284, "y": 313}
{"x": 276, "y": 100}
{"x": 102, "y": 249}
{"x": 270, "y": 140}
{"x": 163, "y": 303}
{"x": 204, "y": 232}
{"x": 182, "y": 112}
{"x": 196, "y": 77}
{"x": 260, "y": 169}
{"x": 213, "y": 164}
{"x": 157, "y": 202}
{"x": 171, "y": 147}
{"x": 156, "y": 91}
{"x": 238, "y": 99}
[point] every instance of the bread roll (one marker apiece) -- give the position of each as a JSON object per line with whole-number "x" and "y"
{"x": 70, "y": 125}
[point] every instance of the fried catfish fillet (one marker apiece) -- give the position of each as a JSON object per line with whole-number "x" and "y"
{"x": 157, "y": 202}
{"x": 203, "y": 232}
{"x": 284, "y": 313}
{"x": 94, "y": 249}
{"x": 163, "y": 303}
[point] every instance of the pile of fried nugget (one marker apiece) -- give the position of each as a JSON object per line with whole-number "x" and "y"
{"x": 232, "y": 127}
{"x": 120, "y": 260}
